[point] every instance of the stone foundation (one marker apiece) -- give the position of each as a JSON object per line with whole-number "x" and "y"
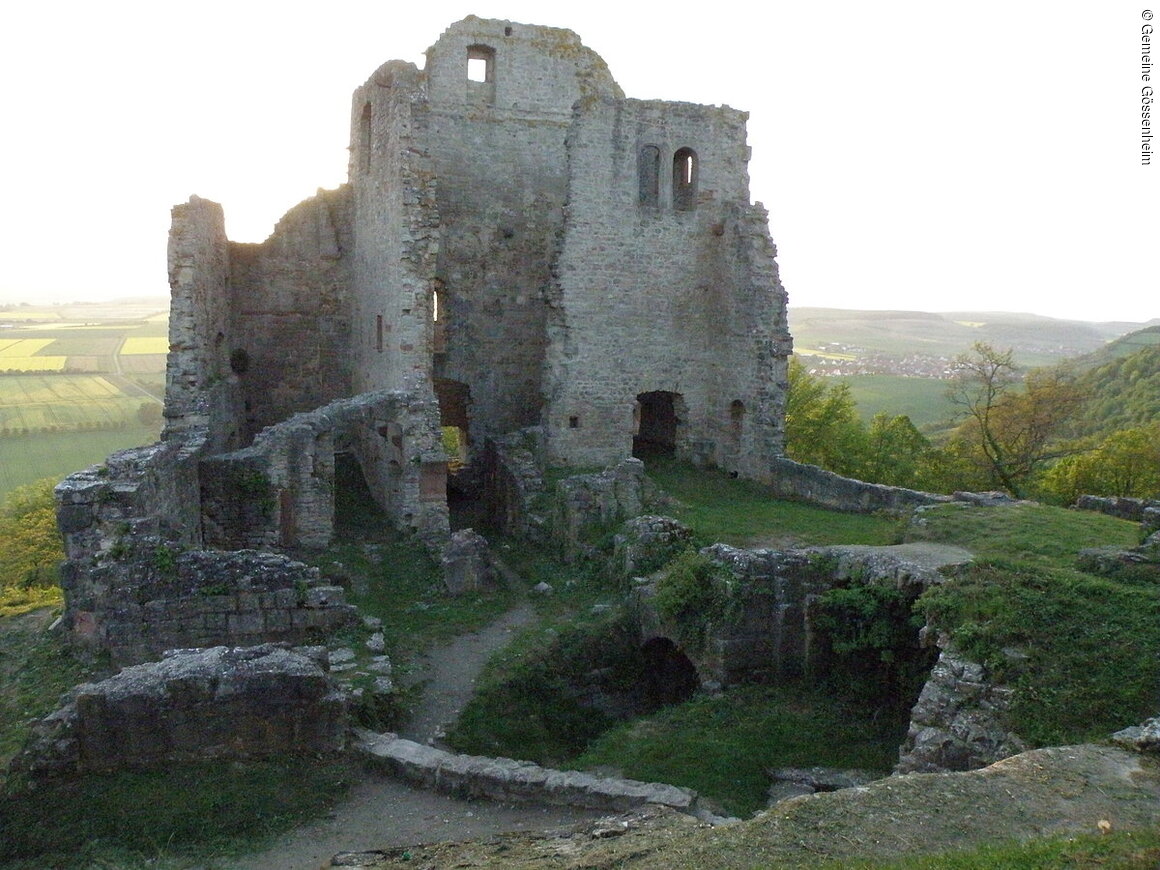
{"x": 223, "y": 703}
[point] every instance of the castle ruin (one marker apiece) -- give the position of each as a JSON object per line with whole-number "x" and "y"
{"x": 518, "y": 246}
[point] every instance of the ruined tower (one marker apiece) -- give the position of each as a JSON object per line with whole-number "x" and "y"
{"x": 518, "y": 246}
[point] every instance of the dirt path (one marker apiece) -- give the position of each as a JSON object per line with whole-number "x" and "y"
{"x": 450, "y": 673}
{"x": 380, "y": 812}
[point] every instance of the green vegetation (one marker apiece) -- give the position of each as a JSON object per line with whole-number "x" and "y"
{"x": 36, "y": 668}
{"x": 691, "y": 593}
{"x": 202, "y": 812}
{"x": 1041, "y": 535}
{"x": 724, "y": 746}
{"x": 528, "y": 704}
{"x": 1117, "y": 850}
{"x": 741, "y": 513}
{"x": 30, "y": 549}
{"x": 1083, "y": 653}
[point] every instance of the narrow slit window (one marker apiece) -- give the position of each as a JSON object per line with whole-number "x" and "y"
{"x": 685, "y": 179}
{"x": 379, "y": 333}
{"x": 364, "y": 139}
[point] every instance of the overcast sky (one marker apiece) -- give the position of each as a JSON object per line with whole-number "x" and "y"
{"x": 913, "y": 155}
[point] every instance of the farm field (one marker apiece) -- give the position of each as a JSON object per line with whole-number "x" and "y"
{"x": 76, "y": 383}
{"x": 27, "y": 458}
{"x": 923, "y": 400}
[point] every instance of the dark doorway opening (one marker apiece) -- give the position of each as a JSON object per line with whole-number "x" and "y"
{"x": 669, "y": 676}
{"x": 656, "y": 424}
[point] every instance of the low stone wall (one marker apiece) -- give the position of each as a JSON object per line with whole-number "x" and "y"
{"x": 586, "y": 503}
{"x": 816, "y": 485}
{"x": 279, "y": 491}
{"x": 503, "y": 779}
{"x": 227, "y": 703}
{"x": 146, "y": 598}
{"x": 514, "y": 483}
{"x": 1138, "y": 510}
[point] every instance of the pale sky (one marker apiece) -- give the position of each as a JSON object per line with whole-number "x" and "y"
{"x": 913, "y": 155}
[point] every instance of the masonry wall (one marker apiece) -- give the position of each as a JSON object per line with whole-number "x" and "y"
{"x": 396, "y": 233}
{"x": 290, "y": 312}
{"x": 201, "y": 394}
{"x": 498, "y": 148}
{"x": 673, "y": 290}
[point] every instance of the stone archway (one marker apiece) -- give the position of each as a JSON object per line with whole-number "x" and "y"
{"x": 669, "y": 676}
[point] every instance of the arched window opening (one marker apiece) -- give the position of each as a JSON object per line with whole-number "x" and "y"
{"x": 364, "y": 139}
{"x": 685, "y": 179}
{"x": 649, "y": 172}
{"x": 736, "y": 417}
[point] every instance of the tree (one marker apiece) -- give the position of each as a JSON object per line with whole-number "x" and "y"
{"x": 1012, "y": 429}
{"x": 821, "y": 423}
{"x": 1126, "y": 463}
{"x": 894, "y": 451}
{"x": 30, "y": 545}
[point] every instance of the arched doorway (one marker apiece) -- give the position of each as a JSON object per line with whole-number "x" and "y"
{"x": 669, "y": 676}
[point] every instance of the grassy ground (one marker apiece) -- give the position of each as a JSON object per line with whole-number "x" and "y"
{"x": 724, "y": 746}
{"x": 187, "y": 815}
{"x": 739, "y": 512}
{"x": 1082, "y": 652}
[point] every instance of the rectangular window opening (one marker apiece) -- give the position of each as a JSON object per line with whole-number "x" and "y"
{"x": 477, "y": 69}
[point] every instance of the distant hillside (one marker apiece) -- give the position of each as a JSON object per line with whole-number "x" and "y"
{"x": 841, "y": 334}
{"x": 1123, "y": 383}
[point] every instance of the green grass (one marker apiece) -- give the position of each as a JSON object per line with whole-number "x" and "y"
{"x": 739, "y": 512}
{"x": 1118, "y": 850}
{"x": 27, "y": 458}
{"x": 723, "y": 746}
{"x": 1082, "y": 653}
{"x": 36, "y": 668}
{"x": 1040, "y": 535}
{"x": 192, "y": 815}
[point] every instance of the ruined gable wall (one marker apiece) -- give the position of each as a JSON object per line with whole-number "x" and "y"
{"x": 290, "y": 300}
{"x": 499, "y": 154}
{"x": 201, "y": 395}
{"x": 656, "y": 297}
{"x": 396, "y": 232}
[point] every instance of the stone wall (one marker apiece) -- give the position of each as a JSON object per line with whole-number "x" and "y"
{"x": 202, "y": 394}
{"x": 290, "y": 312}
{"x": 1138, "y": 510}
{"x": 259, "y": 702}
{"x": 957, "y": 721}
{"x": 503, "y": 779}
{"x": 279, "y": 491}
{"x": 514, "y": 483}
{"x": 143, "y": 597}
{"x": 815, "y": 485}
{"x": 765, "y": 629}
{"x": 658, "y": 296}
